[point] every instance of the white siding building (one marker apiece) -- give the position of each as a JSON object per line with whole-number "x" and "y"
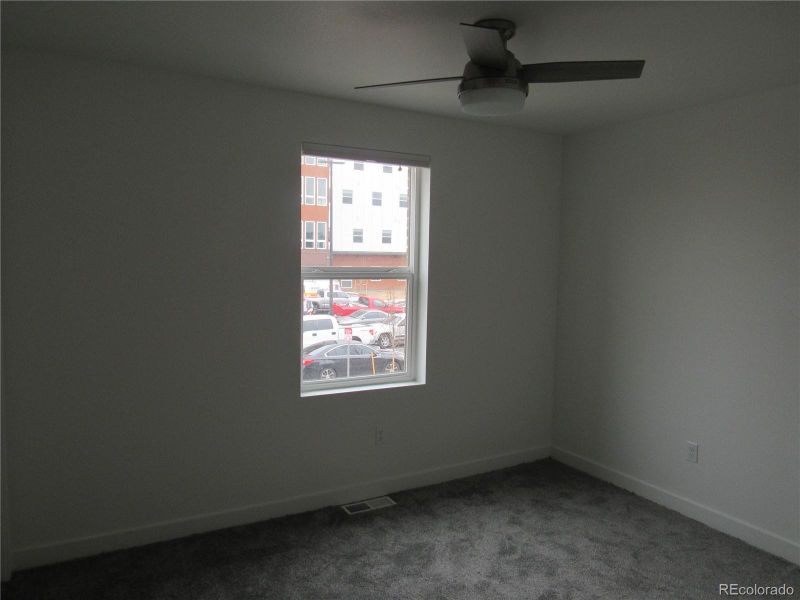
{"x": 369, "y": 208}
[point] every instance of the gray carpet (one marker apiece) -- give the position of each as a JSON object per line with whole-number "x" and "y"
{"x": 540, "y": 531}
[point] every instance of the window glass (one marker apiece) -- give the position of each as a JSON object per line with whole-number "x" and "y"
{"x": 322, "y": 191}
{"x": 322, "y": 230}
{"x": 309, "y": 234}
{"x": 309, "y": 193}
{"x": 365, "y": 252}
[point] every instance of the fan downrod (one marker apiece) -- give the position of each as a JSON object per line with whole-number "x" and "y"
{"x": 506, "y": 28}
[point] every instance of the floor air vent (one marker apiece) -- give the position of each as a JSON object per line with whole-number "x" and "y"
{"x": 356, "y": 508}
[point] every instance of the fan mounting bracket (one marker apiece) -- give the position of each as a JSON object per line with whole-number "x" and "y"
{"x": 506, "y": 28}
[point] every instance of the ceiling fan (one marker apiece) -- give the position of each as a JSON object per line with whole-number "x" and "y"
{"x": 495, "y": 83}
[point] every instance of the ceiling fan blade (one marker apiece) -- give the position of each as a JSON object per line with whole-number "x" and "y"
{"x": 591, "y": 70}
{"x": 485, "y": 46}
{"x": 414, "y": 82}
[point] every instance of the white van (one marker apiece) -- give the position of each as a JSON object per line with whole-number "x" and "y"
{"x": 319, "y": 328}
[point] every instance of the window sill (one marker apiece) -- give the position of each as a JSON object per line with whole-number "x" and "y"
{"x": 360, "y": 388}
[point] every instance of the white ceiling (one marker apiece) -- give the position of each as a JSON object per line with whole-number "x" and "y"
{"x": 695, "y": 52}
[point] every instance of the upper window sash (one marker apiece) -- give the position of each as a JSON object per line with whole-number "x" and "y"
{"x": 404, "y": 159}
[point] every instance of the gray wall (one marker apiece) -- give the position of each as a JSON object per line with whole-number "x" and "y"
{"x": 150, "y": 278}
{"x": 678, "y": 309}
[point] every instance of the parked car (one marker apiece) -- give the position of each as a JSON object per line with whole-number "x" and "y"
{"x": 363, "y": 302}
{"x": 322, "y": 301}
{"x": 379, "y": 334}
{"x": 319, "y": 328}
{"x": 363, "y": 317}
{"x": 398, "y": 324}
{"x": 326, "y": 360}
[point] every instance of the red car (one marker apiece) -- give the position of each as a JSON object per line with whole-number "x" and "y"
{"x": 363, "y": 302}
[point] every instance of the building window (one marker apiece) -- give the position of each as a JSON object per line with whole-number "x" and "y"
{"x": 309, "y": 238}
{"x": 309, "y": 160}
{"x": 322, "y": 235}
{"x": 372, "y": 296}
{"x": 403, "y": 200}
{"x": 309, "y": 190}
{"x": 322, "y": 191}
{"x": 322, "y": 162}
{"x": 387, "y": 168}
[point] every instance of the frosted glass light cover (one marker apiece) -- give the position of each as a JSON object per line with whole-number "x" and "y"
{"x": 492, "y": 102}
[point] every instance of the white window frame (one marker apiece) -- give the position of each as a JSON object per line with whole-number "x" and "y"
{"x": 379, "y": 198}
{"x": 322, "y": 240}
{"x": 313, "y": 238}
{"x": 346, "y": 196}
{"x": 310, "y": 199}
{"x": 384, "y": 232}
{"x": 349, "y": 285}
{"x": 387, "y": 168}
{"x": 414, "y": 274}
{"x": 401, "y": 199}
{"x": 359, "y": 168}
{"x": 361, "y": 235}
{"x": 322, "y": 200}
{"x": 310, "y": 160}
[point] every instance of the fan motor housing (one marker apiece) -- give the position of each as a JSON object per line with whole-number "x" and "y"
{"x": 477, "y": 77}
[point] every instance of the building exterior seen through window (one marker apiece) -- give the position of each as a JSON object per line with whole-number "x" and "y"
{"x": 358, "y": 271}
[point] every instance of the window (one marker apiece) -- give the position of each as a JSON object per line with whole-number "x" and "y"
{"x": 309, "y": 245}
{"x": 403, "y": 200}
{"x": 322, "y": 162}
{"x": 373, "y": 269}
{"x": 309, "y": 190}
{"x": 309, "y": 160}
{"x": 322, "y": 231}
{"x": 322, "y": 191}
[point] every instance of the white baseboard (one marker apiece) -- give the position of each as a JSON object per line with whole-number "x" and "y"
{"x": 752, "y": 534}
{"x": 32, "y": 556}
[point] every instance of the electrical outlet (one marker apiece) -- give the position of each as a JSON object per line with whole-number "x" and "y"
{"x": 379, "y": 436}
{"x": 692, "y": 452}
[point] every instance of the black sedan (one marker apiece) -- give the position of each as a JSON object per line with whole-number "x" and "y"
{"x": 329, "y": 360}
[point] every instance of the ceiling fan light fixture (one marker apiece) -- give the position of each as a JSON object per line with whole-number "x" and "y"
{"x": 492, "y": 100}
